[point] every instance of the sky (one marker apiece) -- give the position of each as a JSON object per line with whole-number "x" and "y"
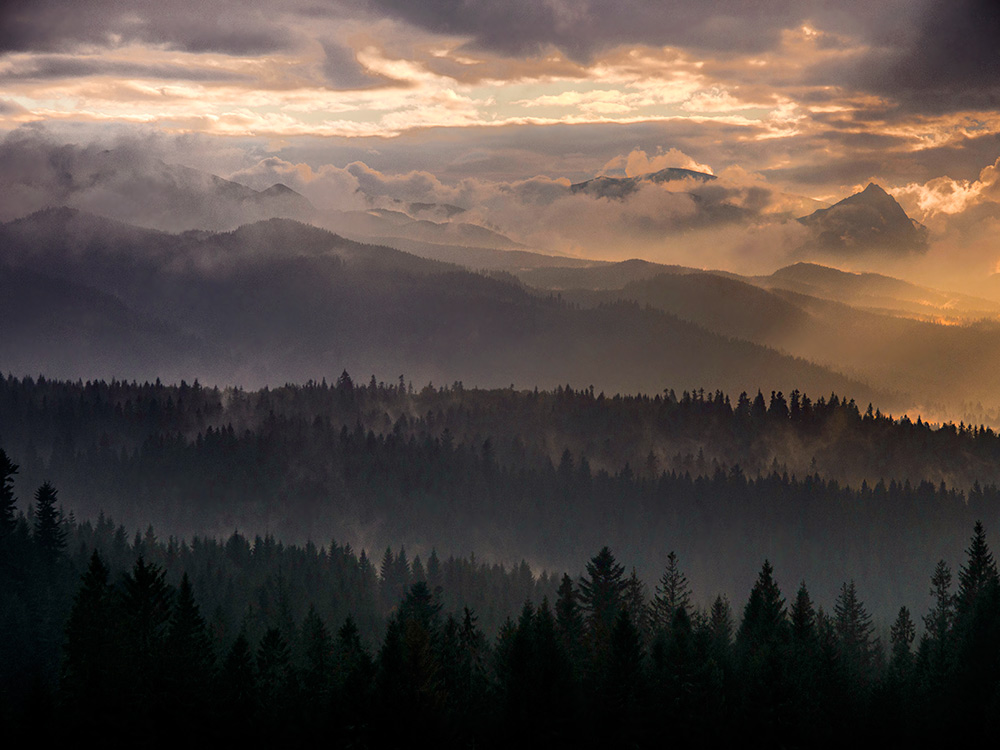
{"x": 449, "y": 99}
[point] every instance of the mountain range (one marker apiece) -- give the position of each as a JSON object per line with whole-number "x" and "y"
{"x": 279, "y": 301}
{"x": 439, "y": 299}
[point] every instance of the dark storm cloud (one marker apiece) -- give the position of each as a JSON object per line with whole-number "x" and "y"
{"x": 581, "y": 27}
{"x": 343, "y": 71}
{"x": 228, "y": 26}
{"x": 68, "y": 66}
{"x": 950, "y": 62}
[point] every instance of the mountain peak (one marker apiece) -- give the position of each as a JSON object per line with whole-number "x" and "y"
{"x": 279, "y": 188}
{"x": 870, "y": 220}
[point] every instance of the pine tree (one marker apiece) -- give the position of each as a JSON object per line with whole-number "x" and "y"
{"x": 91, "y": 663}
{"x": 8, "y": 503}
{"x": 979, "y": 572}
{"x": 145, "y": 603}
{"x": 275, "y": 678}
{"x": 238, "y": 685}
{"x": 635, "y": 603}
{"x": 759, "y": 647}
{"x": 189, "y": 654}
{"x": 49, "y": 534}
{"x": 939, "y": 621}
{"x": 317, "y": 660}
{"x": 764, "y": 616}
{"x": 672, "y": 593}
{"x": 803, "y": 616}
{"x": 976, "y": 633}
{"x": 853, "y": 625}
{"x": 901, "y": 638}
{"x": 601, "y": 595}
{"x": 720, "y": 624}
{"x": 601, "y": 592}
{"x": 569, "y": 622}
{"x": 619, "y": 707}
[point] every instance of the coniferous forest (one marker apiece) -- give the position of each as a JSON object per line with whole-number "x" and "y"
{"x": 424, "y": 630}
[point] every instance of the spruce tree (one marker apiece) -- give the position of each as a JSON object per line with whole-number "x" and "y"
{"x": 764, "y": 616}
{"x": 145, "y": 603}
{"x": 979, "y": 572}
{"x": 237, "y": 687}
{"x": 316, "y": 662}
{"x": 276, "y": 679}
{"x": 854, "y": 628}
{"x": 569, "y": 622}
{"x": 803, "y": 616}
{"x": 8, "y": 503}
{"x": 635, "y": 603}
{"x": 901, "y": 637}
{"x": 672, "y": 593}
{"x": 720, "y": 624}
{"x": 91, "y": 661}
{"x": 189, "y": 653}
{"x": 939, "y": 621}
{"x": 759, "y": 646}
{"x": 49, "y": 534}
{"x": 601, "y": 590}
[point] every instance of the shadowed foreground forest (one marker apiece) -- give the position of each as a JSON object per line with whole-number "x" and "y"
{"x": 240, "y": 641}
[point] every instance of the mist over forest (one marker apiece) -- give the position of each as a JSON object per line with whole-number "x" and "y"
{"x": 585, "y": 376}
{"x": 184, "y": 403}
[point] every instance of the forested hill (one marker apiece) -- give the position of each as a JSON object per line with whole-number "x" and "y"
{"x": 825, "y": 489}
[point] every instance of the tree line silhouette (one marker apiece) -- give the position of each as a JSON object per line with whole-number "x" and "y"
{"x": 547, "y": 476}
{"x": 156, "y": 638}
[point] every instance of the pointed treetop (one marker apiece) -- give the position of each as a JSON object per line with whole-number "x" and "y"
{"x": 979, "y": 572}
{"x": 803, "y": 615}
{"x": 764, "y": 616}
{"x": 50, "y": 536}
{"x": 672, "y": 593}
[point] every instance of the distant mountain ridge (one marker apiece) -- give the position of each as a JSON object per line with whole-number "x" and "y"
{"x": 620, "y": 187}
{"x": 870, "y": 220}
{"x": 281, "y": 301}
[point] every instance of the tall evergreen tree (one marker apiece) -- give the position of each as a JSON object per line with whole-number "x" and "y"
{"x": 979, "y": 571}
{"x": 764, "y": 616}
{"x": 854, "y": 628}
{"x": 634, "y": 600}
{"x": 803, "y": 616}
{"x": 49, "y": 534}
{"x": 720, "y": 624}
{"x": 939, "y": 621}
{"x": 237, "y": 691}
{"x": 190, "y": 655}
{"x": 316, "y": 664}
{"x": 91, "y": 661}
{"x": 276, "y": 680}
{"x": 672, "y": 593}
{"x": 901, "y": 637}
{"x": 601, "y": 590}
{"x": 569, "y": 622}
{"x": 759, "y": 645}
{"x": 145, "y": 603}
{"x": 8, "y": 502}
{"x": 976, "y": 635}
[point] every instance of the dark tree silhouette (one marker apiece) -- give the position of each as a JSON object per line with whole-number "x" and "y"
{"x": 92, "y": 660}
{"x": 8, "y": 502}
{"x": 49, "y": 535}
{"x": 672, "y": 593}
